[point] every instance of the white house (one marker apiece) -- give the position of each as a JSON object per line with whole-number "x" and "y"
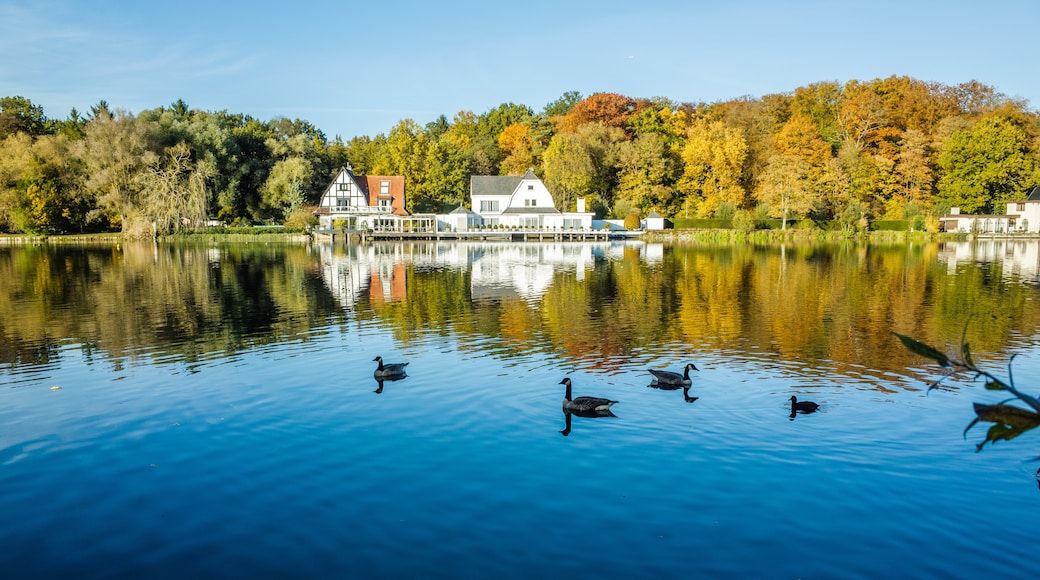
{"x": 1026, "y": 213}
{"x": 522, "y": 202}
{"x": 362, "y": 201}
{"x": 1022, "y": 216}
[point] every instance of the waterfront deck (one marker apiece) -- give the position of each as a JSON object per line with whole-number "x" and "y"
{"x": 483, "y": 235}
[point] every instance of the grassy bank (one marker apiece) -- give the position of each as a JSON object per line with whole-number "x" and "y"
{"x": 229, "y": 235}
{"x": 792, "y": 235}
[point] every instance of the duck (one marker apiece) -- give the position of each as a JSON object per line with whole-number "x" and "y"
{"x": 581, "y": 405}
{"x": 802, "y": 406}
{"x": 386, "y": 370}
{"x": 673, "y": 379}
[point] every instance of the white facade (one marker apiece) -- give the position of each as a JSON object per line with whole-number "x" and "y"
{"x": 1026, "y": 215}
{"x": 522, "y": 203}
{"x": 1021, "y": 217}
{"x": 362, "y": 202}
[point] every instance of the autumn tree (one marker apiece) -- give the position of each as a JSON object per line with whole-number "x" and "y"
{"x": 582, "y": 164}
{"x": 609, "y": 109}
{"x": 515, "y": 140}
{"x": 713, "y": 161}
{"x": 913, "y": 175}
{"x": 647, "y": 175}
{"x": 568, "y": 169}
{"x": 784, "y": 186}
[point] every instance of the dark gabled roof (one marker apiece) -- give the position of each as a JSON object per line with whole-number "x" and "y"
{"x": 531, "y": 210}
{"x": 497, "y": 184}
{"x": 654, "y": 215}
{"x": 493, "y": 184}
{"x": 1034, "y": 194}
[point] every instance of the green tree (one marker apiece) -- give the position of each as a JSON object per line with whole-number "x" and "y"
{"x": 118, "y": 150}
{"x": 568, "y": 169}
{"x": 283, "y": 193}
{"x": 562, "y": 105}
{"x": 648, "y": 171}
{"x": 20, "y": 115}
{"x": 984, "y": 167}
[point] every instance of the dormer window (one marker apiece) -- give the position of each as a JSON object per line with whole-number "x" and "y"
{"x": 530, "y": 187}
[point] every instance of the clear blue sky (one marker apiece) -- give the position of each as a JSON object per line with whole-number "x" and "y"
{"x": 357, "y": 68}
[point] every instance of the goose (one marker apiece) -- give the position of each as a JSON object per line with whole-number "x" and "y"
{"x": 670, "y": 378}
{"x": 582, "y": 405}
{"x": 385, "y": 370}
{"x": 802, "y": 406}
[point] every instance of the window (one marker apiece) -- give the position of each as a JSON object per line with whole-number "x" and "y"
{"x": 342, "y": 203}
{"x": 571, "y": 224}
{"x": 384, "y": 188}
{"x": 1021, "y": 207}
{"x": 343, "y": 186}
{"x": 384, "y": 205}
{"x": 488, "y": 205}
{"x": 530, "y": 188}
{"x": 530, "y": 203}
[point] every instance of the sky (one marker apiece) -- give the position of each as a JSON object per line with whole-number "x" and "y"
{"x": 358, "y": 68}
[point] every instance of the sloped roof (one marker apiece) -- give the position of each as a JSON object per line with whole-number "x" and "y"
{"x": 497, "y": 184}
{"x": 1034, "y": 194}
{"x": 462, "y": 210}
{"x": 493, "y": 184}
{"x": 654, "y": 216}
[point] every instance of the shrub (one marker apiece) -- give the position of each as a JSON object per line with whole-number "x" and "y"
{"x": 725, "y": 211}
{"x": 632, "y": 221}
{"x": 743, "y": 221}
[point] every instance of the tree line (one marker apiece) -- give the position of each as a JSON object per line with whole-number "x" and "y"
{"x": 893, "y": 148}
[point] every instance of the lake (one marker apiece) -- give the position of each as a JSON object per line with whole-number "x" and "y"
{"x": 210, "y": 411}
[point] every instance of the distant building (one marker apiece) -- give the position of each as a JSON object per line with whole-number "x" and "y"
{"x": 1021, "y": 217}
{"x": 1027, "y": 213}
{"x": 522, "y": 202}
{"x": 360, "y": 202}
{"x": 654, "y": 221}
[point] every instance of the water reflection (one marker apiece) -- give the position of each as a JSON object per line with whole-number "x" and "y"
{"x": 381, "y": 380}
{"x": 1018, "y": 260}
{"x": 602, "y": 307}
{"x": 588, "y": 414}
{"x": 673, "y": 387}
{"x": 1008, "y": 422}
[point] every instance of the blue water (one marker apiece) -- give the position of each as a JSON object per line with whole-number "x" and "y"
{"x": 281, "y": 460}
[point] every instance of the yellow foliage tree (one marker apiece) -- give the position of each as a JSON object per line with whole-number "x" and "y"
{"x": 714, "y": 158}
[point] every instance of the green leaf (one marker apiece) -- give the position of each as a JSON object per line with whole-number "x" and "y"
{"x": 992, "y": 385}
{"x": 919, "y": 348}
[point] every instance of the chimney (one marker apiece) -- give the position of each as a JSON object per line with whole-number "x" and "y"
{"x": 581, "y": 205}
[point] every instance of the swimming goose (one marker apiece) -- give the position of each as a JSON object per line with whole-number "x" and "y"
{"x": 386, "y": 370}
{"x": 670, "y": 378}
{"x": 802, "y": 406}
{"x": 584, "y": 404}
